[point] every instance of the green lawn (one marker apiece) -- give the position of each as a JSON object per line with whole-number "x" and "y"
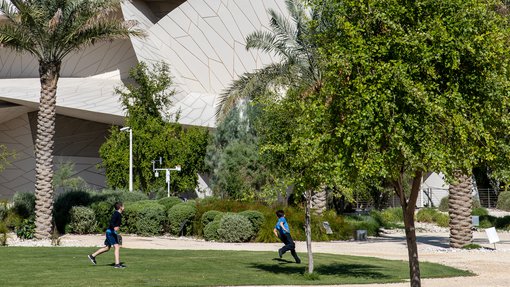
{"x": 65, "y": 266}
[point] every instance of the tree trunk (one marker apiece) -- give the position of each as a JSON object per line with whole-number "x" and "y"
{"x": 459, "y": 208}
{"x": 319, "y": 201}
{"x": 408, "y": 208}
{"x": 44, "y": 144}
{"x": 308, "y": 230}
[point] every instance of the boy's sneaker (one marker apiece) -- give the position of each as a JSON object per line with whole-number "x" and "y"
{"x": 280, "y": 253}
{"x": 119, "y": 266}
{"x": 92, "y": 259}
{"x": 298, "y": 260}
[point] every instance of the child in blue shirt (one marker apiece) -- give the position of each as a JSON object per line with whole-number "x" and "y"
{"x": 282, "y": 231}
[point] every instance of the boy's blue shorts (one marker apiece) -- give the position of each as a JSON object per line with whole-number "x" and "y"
{"x": 111, "y": 238}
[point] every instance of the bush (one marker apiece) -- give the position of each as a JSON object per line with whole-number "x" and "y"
{"x": 124, "y": 196}
{"x": 479, "y": 211}
{"x": 504, "y": 201}
{"x": 169, "y": 202}
{"x": 3, "y": 234}
{"x": 63, "y": 205}
{"x": 83, "y": 220}
{"x": 365, "y": 222}
{"x": 181, "y": 218}
{"x": 208, "y": 217}
{"x": 103, "y": 212}
{"x": 442, "y": 219}
{"x": 211, "y": 231}
{"x": 426, "y": 215}
{"x": 24, "y": 204}
{"x": 391, "y": 217}
{"x": 255, "y": 217}
{"x": 235, "y": 228}
{"x": 145, "y": 217}
{"x": 432, "y": 215}
{"x": 443, "y": 205}
{"x": 26, "y": 229}
{"x": 12, "y": 220}
{"x": 3, "y": 210}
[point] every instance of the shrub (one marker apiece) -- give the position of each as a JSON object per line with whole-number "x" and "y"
{"x": 432, "y": 215}
{"x": 341, "y": 229}
{"x": 392, "y": 216}
{"x": 145, "y": 217}
{"x": 255, "y": 217}
{"x": 3, "y": 210}
{"x": 103, "y": 212}
{"x": 64, "y": 203}
{"x": 12, "y": 220}
{"x": 3, "y": 234}
{"x": 26, "y": 229}
{"x": 479, "y": 211}
{"x": 112, "y": 196}
{"x": 504, "y": 201}
{"x": 442, "y": 219}
{"x": 24, "y": 204}
{"x": 443, "y": 205}
{"x": 365, "y": 222}
{"x": 211, "y": 231}
{"x": 426, "y": 215}
{"x": 208, "y": 217}
{"x": 83, "y": 220}
{"x": 181, "y": 218}
{"x": 169, "y": 202}
{"x": 235, "y": 228}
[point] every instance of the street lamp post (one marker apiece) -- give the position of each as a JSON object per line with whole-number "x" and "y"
{"x": 130, "y": 155}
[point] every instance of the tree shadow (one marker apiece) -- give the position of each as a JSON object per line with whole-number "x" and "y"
{"x": 334, "y": 269}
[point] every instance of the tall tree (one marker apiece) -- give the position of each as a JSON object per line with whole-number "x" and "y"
{"x": 155, "y": 134}
{"x": 414, "y": 87}
{"x": 50, "y": 30}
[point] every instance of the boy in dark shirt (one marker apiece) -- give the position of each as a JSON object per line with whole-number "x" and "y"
{"x": 112, "y": 237}
{"x": 282, "y": 231}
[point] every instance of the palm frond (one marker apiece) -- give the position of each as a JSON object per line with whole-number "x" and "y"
{"x": 251, "y": 85}
{"x": 57, "y": 27}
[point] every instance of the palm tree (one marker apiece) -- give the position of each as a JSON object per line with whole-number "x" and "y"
{"x": 291, "y": 42}
{"x": 49, "y": 30}
{"x": 459, "y": 209}
{"x": 288, "y": 40}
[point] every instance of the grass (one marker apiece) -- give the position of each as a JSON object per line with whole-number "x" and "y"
{"x": 66, "y": 266}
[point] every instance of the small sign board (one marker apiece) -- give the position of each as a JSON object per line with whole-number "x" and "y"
{"x": 327, "y": 227}
{"x": 475, "y": 220}
{"x": 492, "y": 235}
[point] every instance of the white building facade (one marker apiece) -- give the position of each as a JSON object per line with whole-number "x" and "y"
{"x": 203, "y": 42}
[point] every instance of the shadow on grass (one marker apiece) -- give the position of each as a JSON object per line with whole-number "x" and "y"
{"x": 334, "y": 269}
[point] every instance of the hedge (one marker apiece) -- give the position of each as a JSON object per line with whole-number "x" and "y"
{"x": 83, "y": 220}
{"x": 146, "y": 217}
{"x": 235, "y": 228}
{"x": 180, "y": 218}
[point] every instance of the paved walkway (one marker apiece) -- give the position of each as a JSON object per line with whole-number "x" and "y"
{"x": 491, "y": 266}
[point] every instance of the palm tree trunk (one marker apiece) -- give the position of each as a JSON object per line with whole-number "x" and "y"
{"x": 319, "y": 201}
{"x": 459, "y": 208}
{"x": 308, "y": 229}
{"x": 408, "y": 208}
{"x": 44, "y": 143}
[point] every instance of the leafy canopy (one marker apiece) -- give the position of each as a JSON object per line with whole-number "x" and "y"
{"x": 416, "y": 85}
{"x": 155, "y": 134}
